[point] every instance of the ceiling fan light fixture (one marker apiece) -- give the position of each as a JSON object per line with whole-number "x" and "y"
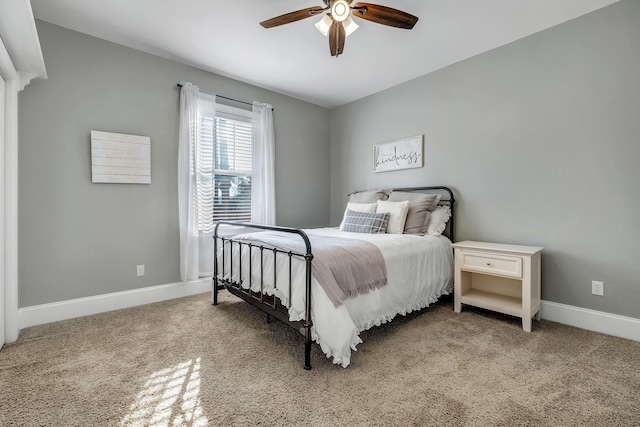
{"x": 337, "y": 22}
{"x": 340, "y": 10}
{"x": 349, "y": 26}
{"x": 324, "y": 24}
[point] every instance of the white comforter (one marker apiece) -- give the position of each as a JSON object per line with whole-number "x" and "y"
{"x": 419, "y": 271}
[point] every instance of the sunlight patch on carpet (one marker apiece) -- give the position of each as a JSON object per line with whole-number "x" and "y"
{"x": 170, "y": 397}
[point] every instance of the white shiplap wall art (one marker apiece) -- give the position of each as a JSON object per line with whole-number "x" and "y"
{"x": 120, "y": 158}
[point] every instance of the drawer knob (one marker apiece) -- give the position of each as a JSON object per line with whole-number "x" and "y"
{"x": 488, "y": 263}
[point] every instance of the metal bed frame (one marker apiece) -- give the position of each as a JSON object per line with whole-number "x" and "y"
{"x": 271, "y": 305}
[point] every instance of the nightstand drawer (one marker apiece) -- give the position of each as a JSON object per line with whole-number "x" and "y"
{"x": 491, "y": 263}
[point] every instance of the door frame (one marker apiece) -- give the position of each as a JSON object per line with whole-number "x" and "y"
{"x": 9, "y": 199}
{"x": 2, "y": 307}
{"x": 18, "y": 35}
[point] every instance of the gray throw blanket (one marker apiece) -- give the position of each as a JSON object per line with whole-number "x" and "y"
{"x": 343, "y": 267}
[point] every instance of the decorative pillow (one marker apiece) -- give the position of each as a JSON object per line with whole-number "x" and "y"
{"x": 438, "y": 220}
{"x": 398, "y": 214}
{"x": 358, "y": 207}
{"x": 420, "y": 207}
{"x": 364, "y": 222}
{"x": 369, "y": 196}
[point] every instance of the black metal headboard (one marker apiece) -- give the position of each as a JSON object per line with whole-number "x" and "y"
{"x": 447, "y": 199}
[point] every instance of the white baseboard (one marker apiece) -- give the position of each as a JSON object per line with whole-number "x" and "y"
{"x": 598, "y": 321}
{"x": 47, "y": 313}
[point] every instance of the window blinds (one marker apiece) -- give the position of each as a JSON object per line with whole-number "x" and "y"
{"x": 223, "y": 169}
{"x": 232, "y": 169}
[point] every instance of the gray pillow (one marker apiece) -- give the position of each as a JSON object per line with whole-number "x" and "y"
{"x": 364, "y": 222}
{"x": 368, "y": 196}
{"x": 420, "y": 207}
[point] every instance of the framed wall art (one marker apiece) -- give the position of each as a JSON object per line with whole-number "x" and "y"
{"x": 403, "y": 153}
{"x": 118, "y": 158}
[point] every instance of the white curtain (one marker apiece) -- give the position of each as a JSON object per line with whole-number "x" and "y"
{"x": 194, "y": 164}
{"x": 263, "y": 191}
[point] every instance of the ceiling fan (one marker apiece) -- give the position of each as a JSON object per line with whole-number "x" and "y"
{"x": 338, "y": 24}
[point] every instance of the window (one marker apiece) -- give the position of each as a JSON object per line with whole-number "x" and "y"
{"x": 225, "y": 153}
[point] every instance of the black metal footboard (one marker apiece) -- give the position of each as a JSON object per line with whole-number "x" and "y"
{"x": 224, "y": 276}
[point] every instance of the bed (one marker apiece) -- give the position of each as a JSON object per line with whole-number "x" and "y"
{"x": 297, "y": 275}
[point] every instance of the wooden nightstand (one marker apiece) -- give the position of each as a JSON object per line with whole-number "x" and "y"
{"x": 498, "y": 277}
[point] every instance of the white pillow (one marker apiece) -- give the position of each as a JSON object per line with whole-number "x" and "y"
{"x": 358, "y": 207}
{"x": 397, "y": 214}
{"x": 438, "y": 220}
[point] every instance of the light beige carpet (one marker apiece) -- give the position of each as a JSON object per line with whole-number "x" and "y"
{"x": 185, "y": 362}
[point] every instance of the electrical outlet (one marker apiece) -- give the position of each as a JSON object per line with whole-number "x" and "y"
{"x": 140, "y": 270}
{"x": 597, "y": 288}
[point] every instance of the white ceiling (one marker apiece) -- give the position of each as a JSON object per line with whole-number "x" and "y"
{"x": 224, "y": 36}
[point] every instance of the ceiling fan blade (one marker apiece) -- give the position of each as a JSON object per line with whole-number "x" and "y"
{"x": 384, "y": 15}
{"x": 337, "y": 36}
{"x": 292, "y": 16}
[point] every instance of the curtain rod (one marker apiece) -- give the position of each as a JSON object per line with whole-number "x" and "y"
{"x": 226, "y": 97}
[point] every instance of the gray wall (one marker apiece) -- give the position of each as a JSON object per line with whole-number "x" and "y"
{"x": 79, "y": 239}
{"x": 540, "y": 139}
